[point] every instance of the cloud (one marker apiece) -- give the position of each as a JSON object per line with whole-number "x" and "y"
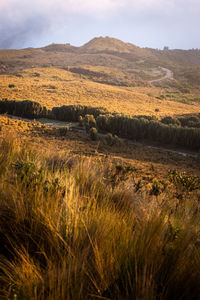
{"x": 25, "y": 20}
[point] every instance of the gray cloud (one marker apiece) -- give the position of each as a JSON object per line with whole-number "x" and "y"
{"x": 27, "y": 22}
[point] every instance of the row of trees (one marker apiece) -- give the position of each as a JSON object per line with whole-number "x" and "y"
{"x": 192, "y": 121}
{"x": 154, "y": 131}
{"x": 166, "y": 131}
{"x": 72, "y": 113}
{"x": 25, "y": 109}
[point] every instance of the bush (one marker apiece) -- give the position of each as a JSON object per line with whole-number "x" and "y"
{"x": 11, "y": 86}
{"x": 89, "y": 122}
{"x": 170, "y": 121}
{"x": 36, "y": 74}
{"x": 184, "y": 182}
{"x": 80, "y": 121}
{"x": 62, "y": 131}
{"x": 190, "y": 121}
{"x": 93, "y": 133}
{"x": 109, "y": 139}
{"x": 155, "y": 190}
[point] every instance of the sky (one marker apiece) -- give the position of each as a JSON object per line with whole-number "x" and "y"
{"x": 145, "y": 23}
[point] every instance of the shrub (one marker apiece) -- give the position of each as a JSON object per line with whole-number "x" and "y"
{"x": 190, "y": 121}
{"x": 36, "y": 74}
{"x": 11, "y": 86}
{"x": 89, "y": 122}
{"x": 184, "y": 182}
{"x": 155, "y": 190}
{"x": 170, "y": 121}
{"x": 62, "y": 131}
{"x": 93, "y": 133}
{"x": 80, "y": 121}
{"x": 109, "y": 139}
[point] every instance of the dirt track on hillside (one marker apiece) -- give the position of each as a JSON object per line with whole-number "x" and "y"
{"x": 169, "y": 75}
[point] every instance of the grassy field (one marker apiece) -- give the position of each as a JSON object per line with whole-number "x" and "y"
{"x": 84, "y": 218}
{"x": 56, "y": 87}
{"x": 107, "y": 225}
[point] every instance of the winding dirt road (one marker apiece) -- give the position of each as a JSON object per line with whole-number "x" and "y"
{"x": 168, "y": 75}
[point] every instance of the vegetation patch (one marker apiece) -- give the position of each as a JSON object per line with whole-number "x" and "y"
{"x": 179, "y": 132}
{"x": 87, "y": 230}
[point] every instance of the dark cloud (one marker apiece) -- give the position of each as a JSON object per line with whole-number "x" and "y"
{"x": 18, "y": 35}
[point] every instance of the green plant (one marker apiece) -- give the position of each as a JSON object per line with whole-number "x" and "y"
{"x": 11, "y": 86}
{"x": 183, "y": 181}
{"x": 62, "y": 131}
{"x": 156, "y": 189}
{"x": 93, "y": 133}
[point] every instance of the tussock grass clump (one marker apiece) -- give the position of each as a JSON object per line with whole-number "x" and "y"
{"x": 76, "y": 231}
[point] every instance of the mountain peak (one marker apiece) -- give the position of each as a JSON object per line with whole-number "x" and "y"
{"x": 107, "y": 44}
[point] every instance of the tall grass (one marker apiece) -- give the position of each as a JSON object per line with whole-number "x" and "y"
{"x": 75, "y": 231}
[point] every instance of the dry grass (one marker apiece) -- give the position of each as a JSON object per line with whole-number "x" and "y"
{"x": 80, "y": 231}
{"x": 149, "y": 163}
{"x": 80, "y": 219}
{"x": 56, "y": 87}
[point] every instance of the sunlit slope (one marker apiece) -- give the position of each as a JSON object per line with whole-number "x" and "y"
{"x": 56, "y": 87}
{"x": 142, "y": 63}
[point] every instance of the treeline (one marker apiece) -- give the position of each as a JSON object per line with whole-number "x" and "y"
{"x": 25, "y": 109}
{"x": 31, "y": 109}
{"x": 181, "y": 132}
{"x": 140, "y": 129}
{"x": 192, "y": 121}
{"x": 73, "y": 112}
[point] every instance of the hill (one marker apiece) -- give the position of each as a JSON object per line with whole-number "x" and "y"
{"x": 109, "y": 52}
{"x": 57, "y": 87}
{"x": 97, "y": 202}
{"x": 102, "y": 44}
{"x": 140, "y": 73}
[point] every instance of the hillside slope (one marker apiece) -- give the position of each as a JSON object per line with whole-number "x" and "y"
{"x": 56, "y": 87}
{"x": 123, "y": 71}
{"x": 107, "y": 52}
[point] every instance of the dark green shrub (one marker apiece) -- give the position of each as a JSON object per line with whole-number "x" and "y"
{"x": 19, "y": 75}
{"x": 80, "y": 121}
{"x": 170, "y": 121}
{"x": 36, "y": 74}
{"x": 191, "y": 121}
{"x": 89, "y": 122}
{"x": 109, "y": 139}
{"x": 93, "y": 133}
{"x": 156, "y": 189}
{"x": 11, "y": 86}
{"x": 62, "y": 131}
{"x": 183, "y": 181}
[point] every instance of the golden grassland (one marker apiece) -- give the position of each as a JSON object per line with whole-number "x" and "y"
{"x": 80, "y": 219}
{"x": 56, "y": 87}
{"x": 150, "y": 162}
{"x": 76, "y": 227}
